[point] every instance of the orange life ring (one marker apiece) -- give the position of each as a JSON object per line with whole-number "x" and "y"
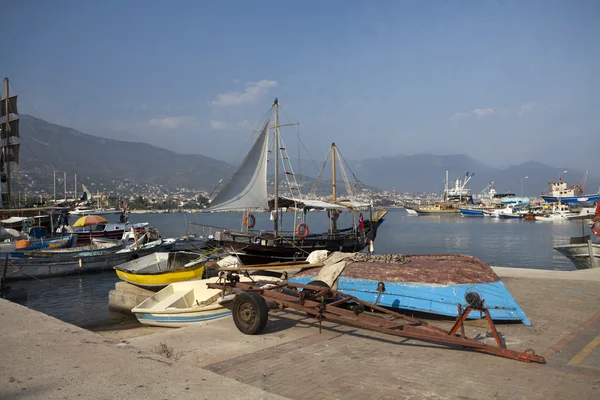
{"x": 302, "y": 230}
{"x": 596, "y": 226}
{"x": 249, "y": 221}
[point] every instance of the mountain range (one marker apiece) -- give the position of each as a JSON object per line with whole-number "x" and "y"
{"x": 107, "y": 163}
{"x": 47, "y": 147}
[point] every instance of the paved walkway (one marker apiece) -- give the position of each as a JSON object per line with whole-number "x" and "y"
{"x": 292, "y": 359}
{"x": 42, "y": 357}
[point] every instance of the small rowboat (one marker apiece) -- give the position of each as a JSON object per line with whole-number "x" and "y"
{"x": 185, "y": 303}
{"x": 157, "y": 270}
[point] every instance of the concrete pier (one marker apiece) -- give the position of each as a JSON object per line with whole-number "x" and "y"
{"x": 126, "y": 296}
{"x": 45, "y": 358}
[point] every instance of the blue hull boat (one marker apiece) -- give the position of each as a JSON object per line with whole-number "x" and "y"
{"x": 468, "y": 212}
{"x": 510, "y": 216}
{"x": 584, "y": 198}
{"x": 434, "y": 284}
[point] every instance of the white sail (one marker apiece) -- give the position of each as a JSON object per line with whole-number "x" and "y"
{"x": 247, "y": 189}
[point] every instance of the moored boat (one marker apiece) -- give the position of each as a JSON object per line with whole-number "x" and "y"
{"x": 247, "y": 192}
{"x": 160, "y": 269}
{"x": 111, "y": 230}
{"x": 582, "y": 255}
{"x": 560, "y": 192}
{"x": 433, "y": 283}
{"x": 185, "y": 303}
{"x": 582, "y": 251}
{"x": 468, "y": 212}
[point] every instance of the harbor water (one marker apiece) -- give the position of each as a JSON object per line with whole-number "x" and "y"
{"x": 83, "y": 299}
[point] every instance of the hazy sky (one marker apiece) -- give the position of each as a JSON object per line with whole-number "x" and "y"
{"x": 503, "y": 81}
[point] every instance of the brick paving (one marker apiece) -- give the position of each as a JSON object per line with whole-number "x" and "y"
{"x": 349, "y": 363}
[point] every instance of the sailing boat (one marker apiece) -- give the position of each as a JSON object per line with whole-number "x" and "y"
{"x": 247, "y": 192}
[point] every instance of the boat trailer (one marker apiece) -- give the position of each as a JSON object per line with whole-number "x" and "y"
{"x": 252, "y": 302}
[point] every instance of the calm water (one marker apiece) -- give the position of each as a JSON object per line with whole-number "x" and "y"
{"x": 83, "y": 300}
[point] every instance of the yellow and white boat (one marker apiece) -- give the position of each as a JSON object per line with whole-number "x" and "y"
{"x": 157, "y": 270}
{"x": 185, "y": 303}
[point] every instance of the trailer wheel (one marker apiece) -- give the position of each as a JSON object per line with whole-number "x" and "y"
{"x": 250, "y": 313}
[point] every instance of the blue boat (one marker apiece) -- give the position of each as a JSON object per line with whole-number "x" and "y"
{"x": 584, "y": 198}
{"x": 560, "y": 192}
{"x": 470, "y": 212}
{"x": 435, "y": 283}
{"x": 510, "y": 216}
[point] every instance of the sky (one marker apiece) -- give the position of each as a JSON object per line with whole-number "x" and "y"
{"x": 502, "y": 81}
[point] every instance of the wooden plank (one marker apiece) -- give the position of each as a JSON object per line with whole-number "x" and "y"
{"x": 284, "y": 265}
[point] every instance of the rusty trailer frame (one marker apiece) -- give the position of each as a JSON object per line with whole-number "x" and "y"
{"x": 250, "y": 314}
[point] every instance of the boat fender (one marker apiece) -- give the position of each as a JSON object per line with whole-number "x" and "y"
{"x": 596, "y": 226}
{"x": 302, "y": 230}
{"x": 361, "y": 221}
{"x": 249, "y": 221}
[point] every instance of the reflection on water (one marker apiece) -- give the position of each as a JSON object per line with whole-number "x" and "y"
{"x": 83, "y": 300}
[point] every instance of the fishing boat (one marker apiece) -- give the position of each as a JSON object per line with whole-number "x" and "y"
{"x": 186, "y": 303}
{"x": 582, "y": 255}
{"x": 247, "y": 192}
{"x": 471, "y": 212}
{"x": 510, "y": 216}
{"x": 100, "y": 255}
{"x": 432, "y": 283}
{"x": 556, "y": 212}
{"x": 560, "y": 192}
{"x": 583, "y": 252}
{"x": 455, "y": 198}
{"x": 83, "y": 210}
{"x": 111, "y": 230}
{"x": 490, "y": 202}
{"x": 49, "y": 264}
{"x": 160, "y": 269}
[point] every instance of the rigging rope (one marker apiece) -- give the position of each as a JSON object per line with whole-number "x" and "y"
{"x": 313, "y": 190}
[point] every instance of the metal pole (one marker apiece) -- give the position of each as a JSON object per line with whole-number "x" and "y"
{"x": 446, "y": 187}
{"x": 333, "y": 177}
{"x": 75, "y": 195}
{"x": 591, "y": 251}
{"x": 54, "y": 187}
{"x": 65, "y": 184}
{"x": 276, "y": 191}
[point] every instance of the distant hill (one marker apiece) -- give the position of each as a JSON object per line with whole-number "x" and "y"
{"x": 47, "y": 147}
{"x": 108, "y": 163}
{"x": 426, "y": 173}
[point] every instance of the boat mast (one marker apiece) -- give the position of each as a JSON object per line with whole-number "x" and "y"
{"x": 333, "y": 177}
{"x": 5, "y": 148}
{"x": 276, "y": 191}
{"x": 54, "y": 187}
{"x": 446, "y": 187}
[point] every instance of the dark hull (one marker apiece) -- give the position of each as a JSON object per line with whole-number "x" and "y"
{"x": 83, "y": 237}
{"x": 258, "y": 249}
